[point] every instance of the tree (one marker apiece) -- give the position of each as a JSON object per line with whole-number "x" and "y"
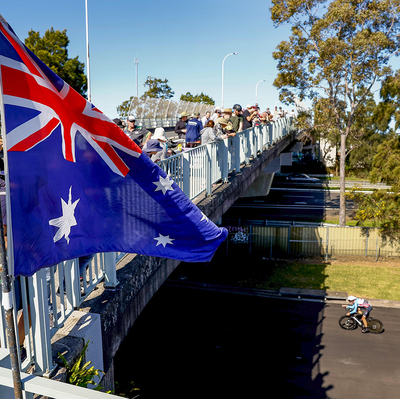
{"x": 198, "y": 98}
{"x": 336, "y": 52}
{"x": 382, "y": 207}
{"x": 157, "y": 88}
{"x": 52, "y": 50}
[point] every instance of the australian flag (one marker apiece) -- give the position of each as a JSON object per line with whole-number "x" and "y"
{"x": 77, "y": 184}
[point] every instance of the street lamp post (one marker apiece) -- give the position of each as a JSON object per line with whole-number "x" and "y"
{"x": 223, "y": 62}
{"x": 263, "y": 80}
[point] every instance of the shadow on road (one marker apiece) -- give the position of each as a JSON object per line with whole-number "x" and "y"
{"x": 191, "y": 343}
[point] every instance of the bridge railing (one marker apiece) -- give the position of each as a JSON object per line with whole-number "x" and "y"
{"x": 34, "y": 385}
{"x": 51, "y": 294}
{"x": 197, "y": 169}
{"x": 48, "y": 298}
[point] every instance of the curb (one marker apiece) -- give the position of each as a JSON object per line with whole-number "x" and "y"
{"x": 338, "y": 297}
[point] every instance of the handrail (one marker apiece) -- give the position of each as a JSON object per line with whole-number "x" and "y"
{"x": 196, "y": 170}
{"x": 34, "y": 385}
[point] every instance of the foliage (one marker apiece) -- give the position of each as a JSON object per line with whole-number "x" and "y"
{"x": 157, "y": 88}
{"x": 389, "y": 108}
{"x": 52, "y": 50}
{"x": 382, "y": 207}
{"x": 79, "y": 375}
{"x": 198, "y": 98}
{"x": 365, "y": 137}
{"x": 336, "y": 52}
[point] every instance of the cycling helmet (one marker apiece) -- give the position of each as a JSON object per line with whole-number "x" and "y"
{"x": 237, "y": 107}
{"x": 351, "y": 298}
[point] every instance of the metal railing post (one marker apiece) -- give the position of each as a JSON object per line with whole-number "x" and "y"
{"x": 186, "y": 174}
{"x": 224, "y": 147}
{"x": 40, "y": 322}
{"x": 110, "y": 270}
{"x": 72, "y": 285}
{"x": 208, "y": 163}
{"x": 327, "y": 244}
{"x": 237, "y": 153}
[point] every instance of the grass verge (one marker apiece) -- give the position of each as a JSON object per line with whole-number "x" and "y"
{"x": 366, "y": 279}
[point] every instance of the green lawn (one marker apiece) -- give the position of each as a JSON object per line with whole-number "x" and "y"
{"x": 370, "y": 280}
{"x": 375, "y": 281}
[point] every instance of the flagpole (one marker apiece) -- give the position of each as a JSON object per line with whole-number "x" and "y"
{"x": 87, "y": 53}
{"x": 7, "y": 297}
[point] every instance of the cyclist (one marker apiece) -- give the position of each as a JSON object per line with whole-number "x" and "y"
{"x": 364, "y": 306}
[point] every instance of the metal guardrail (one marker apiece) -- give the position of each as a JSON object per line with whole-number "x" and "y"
{"x": 196, "y": 170}
{"x": 48, "y": 298}
{"x": 51, "y": 294}
{"x": 34, "y": 385}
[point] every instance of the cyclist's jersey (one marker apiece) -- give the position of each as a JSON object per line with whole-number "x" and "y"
{"x": 358, "y": 303}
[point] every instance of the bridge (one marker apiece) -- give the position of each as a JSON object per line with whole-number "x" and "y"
{"x": 118, "y": 286}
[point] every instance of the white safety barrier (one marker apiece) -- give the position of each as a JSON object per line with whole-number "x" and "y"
{"x": 197, "y": 169}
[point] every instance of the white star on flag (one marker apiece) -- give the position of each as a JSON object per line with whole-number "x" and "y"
{"x": 163, "y": 240}
{"x": 204, "y": 217}
{"x": 164, "y": 184}
{"x": 67, "y": 220}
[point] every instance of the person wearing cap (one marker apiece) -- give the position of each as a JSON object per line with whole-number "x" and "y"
{"x": 248, "y": 115}
{"x": 180, "y": 127}
{"x": 216, "y": 114}
{"x": 194, "y": 127}
{"x": 136, "y": 133}
{"x": 153, "y": 149}
{"x": 159, "y": 134}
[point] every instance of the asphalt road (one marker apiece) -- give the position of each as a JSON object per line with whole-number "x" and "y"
{"x": 198, "y": 344}
{"x": 289, "y": 204}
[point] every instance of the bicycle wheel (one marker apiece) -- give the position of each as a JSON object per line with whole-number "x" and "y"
{"x": 375, "y": 326}
{"x": 347, "y": 323}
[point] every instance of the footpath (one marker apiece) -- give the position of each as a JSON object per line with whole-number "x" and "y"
{"x": 338, "y": 297}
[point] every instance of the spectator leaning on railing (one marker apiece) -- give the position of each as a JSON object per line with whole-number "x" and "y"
{"x": 208, "y": 134}
{"x": 224, "y": 127}
{"x": 248, "y": 115}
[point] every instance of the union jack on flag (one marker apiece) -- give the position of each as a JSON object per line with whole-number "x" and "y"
{"x": 79, "y": 185}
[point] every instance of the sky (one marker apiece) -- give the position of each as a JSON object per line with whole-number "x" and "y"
{"x": 182, "y": 41}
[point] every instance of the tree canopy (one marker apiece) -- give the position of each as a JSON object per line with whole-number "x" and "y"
{"x": 198, "y": 98}
{"x": 52, "y": 50}
{"x": 157, "y": 88}
{"x": 337, "y": 51}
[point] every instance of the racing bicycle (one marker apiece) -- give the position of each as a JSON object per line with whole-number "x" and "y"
{"x": 354, "y": 320}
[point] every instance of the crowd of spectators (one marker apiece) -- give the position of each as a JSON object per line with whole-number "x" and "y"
{"x": 192, "y": 130}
